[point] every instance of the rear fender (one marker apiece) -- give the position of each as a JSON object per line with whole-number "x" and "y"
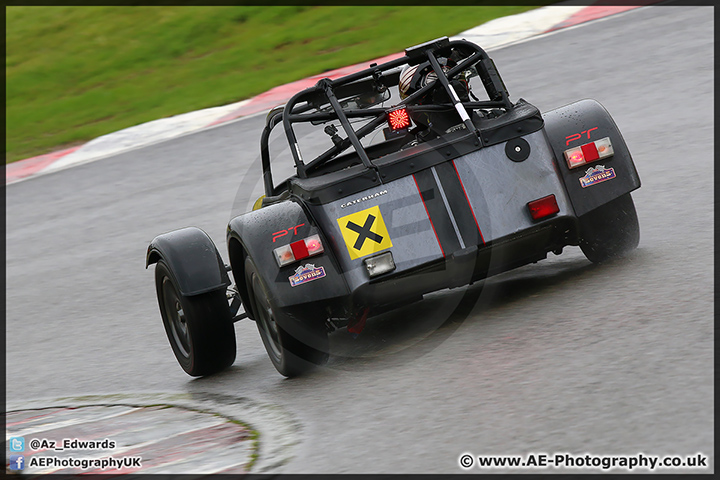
{"x": 580, "y": 123}
{"x": 192, "y": 258}
{"x": 259, "y": 232}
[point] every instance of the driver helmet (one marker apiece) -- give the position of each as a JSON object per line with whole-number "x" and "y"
{"x": 413, "y": 78}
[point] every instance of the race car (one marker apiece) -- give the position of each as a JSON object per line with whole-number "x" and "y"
{"x": 413, "y": 176}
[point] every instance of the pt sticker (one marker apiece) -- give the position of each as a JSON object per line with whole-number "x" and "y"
{"x": 307, "y": 273}
{"x": 364, "y": 232}
{"x": 596, "y": 175}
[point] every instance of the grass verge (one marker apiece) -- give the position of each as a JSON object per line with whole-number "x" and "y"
{"x": 75, "y": 73}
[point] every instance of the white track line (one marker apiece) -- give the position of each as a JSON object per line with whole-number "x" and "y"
{"x": 36, "y": 429}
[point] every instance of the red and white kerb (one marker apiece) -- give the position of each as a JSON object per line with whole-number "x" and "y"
{"x": 597, "y": 150}
{"x": 293, "y": 252}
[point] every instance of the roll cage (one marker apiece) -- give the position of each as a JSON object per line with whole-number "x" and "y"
{"x": 355, "y": 95}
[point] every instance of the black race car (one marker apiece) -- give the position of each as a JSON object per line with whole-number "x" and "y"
{"x": 416, "y": 175}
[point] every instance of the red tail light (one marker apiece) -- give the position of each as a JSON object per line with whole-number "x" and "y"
{"x": 575, "y": 158}
{"x": 590, "y": 152}
{"x": 299, "y": 249}
{"x": 314, "y": 245}
{"x": 307, "y": 247}
{"x": 543, "y": 207}
{"x": 398, "y": 119}
{"x": 597, "y": 150}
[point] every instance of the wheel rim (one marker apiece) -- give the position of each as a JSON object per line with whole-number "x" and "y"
{"x": 267, "y": 319}
{"x": 176, "y": 318}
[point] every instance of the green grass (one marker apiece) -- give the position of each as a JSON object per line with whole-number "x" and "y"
{"x": 75, "y": 73}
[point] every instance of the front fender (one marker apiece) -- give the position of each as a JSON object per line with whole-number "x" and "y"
{"x": 580, "y": 123}
{"x": 192, "y": 258}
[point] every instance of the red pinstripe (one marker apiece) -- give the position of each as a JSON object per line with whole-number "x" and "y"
{"x": 468, "y": 201}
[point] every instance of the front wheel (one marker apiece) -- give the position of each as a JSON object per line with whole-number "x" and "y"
{"x": 290, "y": 355}
{"x": 199, "y": 327}
{"x": 610, "y": 230}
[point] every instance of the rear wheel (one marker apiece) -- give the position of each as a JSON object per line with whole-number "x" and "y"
{"x": 290, "y": 355}
{"x": 610, "y": 230}
{"x": 199, "y": 327}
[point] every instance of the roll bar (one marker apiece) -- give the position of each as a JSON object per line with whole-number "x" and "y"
{"x": 379, "y": 77}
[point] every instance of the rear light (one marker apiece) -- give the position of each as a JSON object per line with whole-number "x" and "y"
{"x": 590, "y": 152}
{"x": 398, "y": 119}
{"x": 574, "y": 157}
{"x": 314, "y": 245}
{"x": 296, "y": 251}
{"x": 379, "y": 264}
{"x": 284, "y": 255}
{"x": 604, "y": 147}
{"x": 299, "y": 249}
{"x": 597, "y": 150}
{"x": 543, "y": 207}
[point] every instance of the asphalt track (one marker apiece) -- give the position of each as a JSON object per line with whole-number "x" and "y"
{"x": 560, "y": 356}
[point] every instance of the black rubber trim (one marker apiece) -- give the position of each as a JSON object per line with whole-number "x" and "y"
{"x": 425, "y": 155}
{"x": 517, "y": 149}
{"x": 521, "y": 120}
{"x": 461, "y": 209}
{"x": 335, "y": 185}
{"x": 439, "y": 215}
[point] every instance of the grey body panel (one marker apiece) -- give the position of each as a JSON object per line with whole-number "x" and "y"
{"x": 497, "y": 189}
{"x": 410, "y": 231}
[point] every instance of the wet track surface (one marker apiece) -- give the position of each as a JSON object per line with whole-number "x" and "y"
{"x": 560, "y": 356}
{"x": 179, "y": 438}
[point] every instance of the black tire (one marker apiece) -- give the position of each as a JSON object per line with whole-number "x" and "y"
{"x": 610, "y": 230}
{"x": 200, "y": 327}
{"x": 292, "y": 353}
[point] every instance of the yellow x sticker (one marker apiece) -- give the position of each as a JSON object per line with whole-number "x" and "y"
{"x": 364, "y": 232}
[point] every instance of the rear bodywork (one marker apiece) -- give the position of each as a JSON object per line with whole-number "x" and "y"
{"x": 451, "y": 210}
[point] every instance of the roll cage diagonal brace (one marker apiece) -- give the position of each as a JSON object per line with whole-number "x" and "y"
{"x": 453, "y": 95}
{"x": 326, "y": 85}
{"x": 327, "y": 90}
